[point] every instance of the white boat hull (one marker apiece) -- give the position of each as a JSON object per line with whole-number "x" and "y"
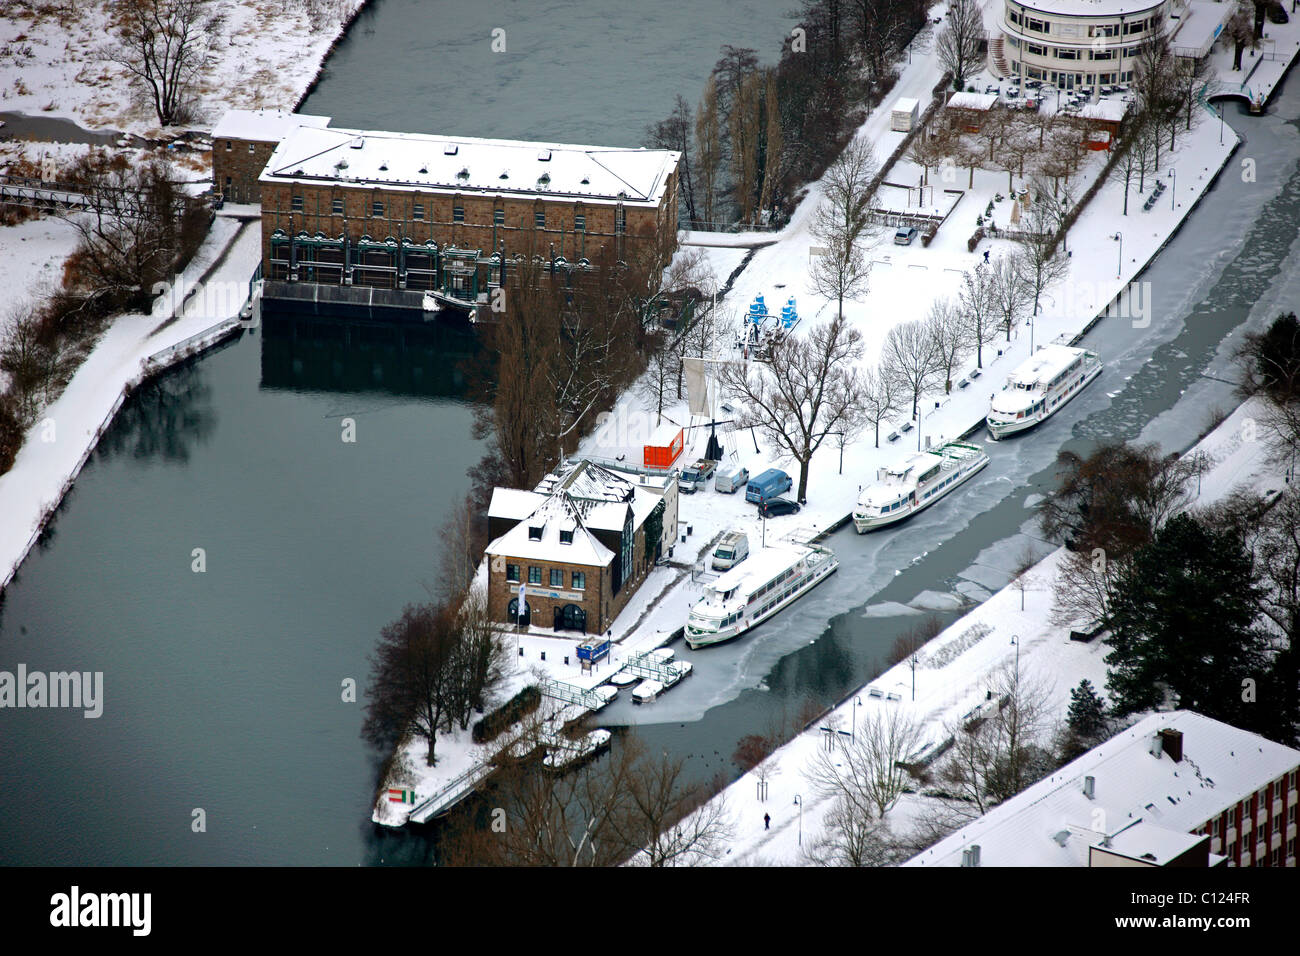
{"x": 999, "y": 430}
{"x": 864, "y": 523}
{"x": 731, "y": 632}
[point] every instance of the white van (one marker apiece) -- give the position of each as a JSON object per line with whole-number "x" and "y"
{"x": 731, "y": 478}
{"x": 731, "y": 550}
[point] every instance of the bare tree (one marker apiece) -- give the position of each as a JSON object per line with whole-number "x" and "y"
{"x": 997, "y": 753}
{"x": 975, "y": 300}
{"x": 1038, "y": 260}
{"x": 810, "y": 388}
{"x": 949, "y": 336}
{"x": 676, "y": 133}
{"x": 847, "y": 189}
{"x": 165, "y": 45}
{"x": 879, "y": 398}
{"x": 1009, "y": 292}
{"x": 841, "y": 272}
{"x": 911, "y": 360}
{"x": 958, "y": 42}
{"x": 708, "y": 153}
{"x": 34, "y": 360}
{"x": 672, "y": 821}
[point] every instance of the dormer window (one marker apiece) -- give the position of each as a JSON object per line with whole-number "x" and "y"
{"x": 535, "y": 533}
{"x": 566, "y": 536}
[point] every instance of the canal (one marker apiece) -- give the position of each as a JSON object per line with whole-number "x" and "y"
{"x": 224, "y": 688}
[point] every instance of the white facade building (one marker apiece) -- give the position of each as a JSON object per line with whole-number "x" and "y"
{"x": 1091, "y": 43}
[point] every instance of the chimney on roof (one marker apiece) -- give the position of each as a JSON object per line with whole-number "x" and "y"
{"x": 1171, "y": 741}
{"x": 1155, "y": 745}
{"x": 971, "y": 855}
{"x": 1090, "y": 787}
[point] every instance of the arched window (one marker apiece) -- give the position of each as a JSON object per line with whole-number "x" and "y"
{"x": 513, "y": 612}
{"x": 571, "y": 617}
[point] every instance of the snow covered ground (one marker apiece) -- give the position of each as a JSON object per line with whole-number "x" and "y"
{"x": 266, "y": 54}
{"x": 1262, "y": 69}
{"x": 955, "y": 670}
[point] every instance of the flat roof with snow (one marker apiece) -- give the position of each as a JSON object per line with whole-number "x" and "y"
{"x": 972, "y": 101}
{"x": 1090, "y": 8}
{"x": 459, "y": 164}
{"x": 263, "y": 126}
{"x": 1144, "y": 800}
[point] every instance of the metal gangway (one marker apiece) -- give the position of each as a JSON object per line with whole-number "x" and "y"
{"x": 571, "y": 694}
{"x": 450, "y": 794}
{"x": 652, "y": 667}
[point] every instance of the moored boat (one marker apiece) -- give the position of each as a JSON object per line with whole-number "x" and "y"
{"x": 916, "y": 483}
{"x": 769, "y": 580}
{"x": 1038, "y": 388}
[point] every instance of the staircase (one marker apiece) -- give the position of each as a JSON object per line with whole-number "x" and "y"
{"x": 998, "y": 58}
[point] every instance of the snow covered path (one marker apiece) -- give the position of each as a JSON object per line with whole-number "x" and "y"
{"x": 65, "y": 435}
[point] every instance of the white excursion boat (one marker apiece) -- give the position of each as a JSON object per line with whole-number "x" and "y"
{"x": 768, "y": 580}
{"x": 1039, "y": 386}
{"x": 918, "y": 482}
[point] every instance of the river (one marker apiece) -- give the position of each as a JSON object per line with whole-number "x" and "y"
{"x": 223, "y": 689}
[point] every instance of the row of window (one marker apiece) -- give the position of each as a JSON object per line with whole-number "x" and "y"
{"x": 578, "y": 578}
{"x": 1073, "y": 53}
{"x": 1096, "y": 30}
{"x": 230, "y": 146}
{"x": 457, "y": 214}
{"x": 1076, "y": 79}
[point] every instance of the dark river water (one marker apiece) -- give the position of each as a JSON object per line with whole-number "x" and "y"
{"x": 223, "y": 689}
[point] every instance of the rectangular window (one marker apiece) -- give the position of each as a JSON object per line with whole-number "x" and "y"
{"x": 250, "y": 147}
{"x": 458, "y": 214}
{"x": 535, "y": 533}
{"x": 557, "y": 578}
{"x": 297, "y": 204}
{"x": 417, "y": 211}
{"x": 539, "y": 219}
{"x": 534, "y": 575}
{"x": 229, "y": 145}
{"x": 1035, "y": 49}
{"x": 579, "y": 223}
{"x": 512, "y": 573}
{"x": 338, "y": 207}
{"x": 579, "y": 580}
{"x": 566, "y": 536}
{"x": 1065, "y": 54}
{"x": 499, "y": 216}
{"x": 377, "y": 209}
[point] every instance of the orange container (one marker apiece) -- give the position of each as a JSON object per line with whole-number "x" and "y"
{"x": 663, "y": 456}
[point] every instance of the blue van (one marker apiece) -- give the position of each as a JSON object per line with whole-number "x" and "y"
{"x": 769, "y": 484}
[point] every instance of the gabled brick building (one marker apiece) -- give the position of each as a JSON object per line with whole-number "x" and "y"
{"x": 580, "y": 546}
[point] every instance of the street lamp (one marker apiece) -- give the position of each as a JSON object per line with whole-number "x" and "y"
{"x": 1119, "y": 263}
{"x": 799, "y": 803}
{"x": 1173, "y": 188}
{"x": 1015, "y": 639}
{"x": 857, "y": 702}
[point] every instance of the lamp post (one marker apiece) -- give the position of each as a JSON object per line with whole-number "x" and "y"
{"x": 1173, "y": 186}
{"x": 1119, "y": 263}
{"x": 857, "y": 702}
{"x": 799, "y": 803}
{"x": 1220, "y": 124}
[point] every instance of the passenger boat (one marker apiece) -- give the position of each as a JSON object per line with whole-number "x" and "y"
{"x": 918, "y": 482}
{"x": 1039, "y": 386}
{"x": 768, "y": 580}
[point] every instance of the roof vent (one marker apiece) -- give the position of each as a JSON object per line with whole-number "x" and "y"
{"x": 383, "y": 166}
{"x": 424, "y": 169}
{"x": 544, "y": 156}
{"x": 1090, "y": 787}
{"x": 1061, "y": 837}
{"x": 586, "y": 181}
{"x": 450, "y": 149}
{"x": 544, "y": 180}
{"x": 341, "y": 164}
{"x": 464, "y": 173}
{"x": 504, "y": 175}
{"x": 971, "y": 855}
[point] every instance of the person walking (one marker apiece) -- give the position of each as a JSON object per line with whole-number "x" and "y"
{"x": 767, "y": 821}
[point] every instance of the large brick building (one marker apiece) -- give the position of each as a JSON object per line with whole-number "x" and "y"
{"x": 579, "y": 545}
{"x": 1176, "y": 789}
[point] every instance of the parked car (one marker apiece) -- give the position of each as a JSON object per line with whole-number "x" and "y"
{"x": 775, "y": 507}
{"x": 731, "y": 479}
{"x": 731, "y": 550}
{"x": 904, "y": 236}
{"x": 769, "y": 484}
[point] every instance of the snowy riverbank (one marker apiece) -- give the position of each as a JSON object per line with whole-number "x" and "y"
{"x": 955, "y": 669}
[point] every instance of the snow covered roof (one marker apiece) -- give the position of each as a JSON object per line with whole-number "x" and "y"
{"x": 513, "y": 503}
{"x": 1044, "y": 365}
{"x": 1199, "y": 26}
{"x": 604, "y": 515}
{"x": 1143, "y": 800}
{"x": 588, "y": 481}
{"x": 634, "y": 177}
{"x": 1111, "y": 110}
{"x": 558, "y": 513}
{"x": 263, "y": 126}
{"x": 905, "y": 104}
{"x": 761, "y": 566}
{"x": 972, "y": 101}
